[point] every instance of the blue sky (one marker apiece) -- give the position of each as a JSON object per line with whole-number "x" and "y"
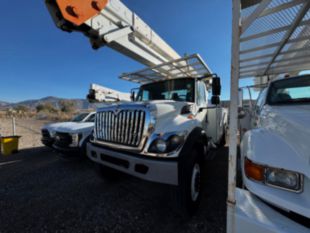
{"x": 38, "y": 60}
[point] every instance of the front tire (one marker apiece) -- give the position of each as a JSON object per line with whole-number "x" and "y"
{"x": 187, "y": 194}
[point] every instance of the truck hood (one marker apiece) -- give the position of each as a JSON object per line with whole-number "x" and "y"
{"x": 166, "y": 114}
{"x": 70, "y": 127}
{"x": 166, "y": 108}
{"x": 292, "y": 124}
{"x": 158, "y": 108}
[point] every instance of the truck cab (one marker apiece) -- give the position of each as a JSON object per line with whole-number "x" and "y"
{"x": 162, "y": 136}
{"x": 275, "y": 157}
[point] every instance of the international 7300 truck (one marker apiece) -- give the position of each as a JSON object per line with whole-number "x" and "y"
{"x": 167, "y": 130}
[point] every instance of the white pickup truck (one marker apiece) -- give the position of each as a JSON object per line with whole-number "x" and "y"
{"x": 163, "y": 135}
{"x": 69, "y": 137}
{"x": 275, "y": 161}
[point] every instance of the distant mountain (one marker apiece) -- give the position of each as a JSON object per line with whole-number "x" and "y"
{"x": 3, "y": 104}
{"x": 55, "y": 101}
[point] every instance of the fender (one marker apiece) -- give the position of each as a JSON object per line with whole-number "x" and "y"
{"x": 266, "y": 147}
{"x": 197, "y": 137}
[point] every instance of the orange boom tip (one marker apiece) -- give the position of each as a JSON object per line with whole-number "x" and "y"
{"x": 78, "y": 11}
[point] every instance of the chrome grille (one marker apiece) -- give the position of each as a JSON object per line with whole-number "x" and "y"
{"x": 125, "y": 127}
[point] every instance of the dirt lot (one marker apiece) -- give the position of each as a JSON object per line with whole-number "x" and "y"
{"x": 42, "y": 193}
{"x": 29, "y": 129}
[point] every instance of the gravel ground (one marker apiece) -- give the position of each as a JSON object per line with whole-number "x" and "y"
{"x": 39, "y": 192}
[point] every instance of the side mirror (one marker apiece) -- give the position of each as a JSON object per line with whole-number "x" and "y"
{"x": 133, "y": 95}
{"x": 216, "y": 86}
{"x": 216, "y": 90}
{"x": 215, "y": 100}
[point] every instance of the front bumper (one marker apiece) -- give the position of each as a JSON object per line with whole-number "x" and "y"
{"x": 47, "y": 141}
{"x": 253, "y": 215}
{"x": 67, "y": 150}
{"x": 151, "y": 169}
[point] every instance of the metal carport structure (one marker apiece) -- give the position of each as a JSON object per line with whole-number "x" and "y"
{"x": 270, "y": 38}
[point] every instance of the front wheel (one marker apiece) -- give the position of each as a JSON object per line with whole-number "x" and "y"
{"x": 187, "y": 194}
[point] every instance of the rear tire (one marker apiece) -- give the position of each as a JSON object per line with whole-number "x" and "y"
{"x": 187, "y": 195}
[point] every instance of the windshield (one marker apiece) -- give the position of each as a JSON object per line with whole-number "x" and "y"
{"x": 80, "y": 117}
{"x": 290, "y": 91}
{"x": 91, "y": 118}
{"x": 177, "y": 90}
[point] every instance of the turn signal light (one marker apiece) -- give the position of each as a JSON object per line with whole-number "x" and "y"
{"x": 254, "y": 171}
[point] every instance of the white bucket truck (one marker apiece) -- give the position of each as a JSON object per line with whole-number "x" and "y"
{"x": 163, "y": 135}
{"x": 275, "y": 162}
{"x": 275, "y": 158}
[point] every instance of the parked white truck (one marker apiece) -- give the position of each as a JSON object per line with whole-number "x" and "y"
{"x": 69, "y": 137}
{"x": 163, "y": 136}
{"x": 275, "y": 158}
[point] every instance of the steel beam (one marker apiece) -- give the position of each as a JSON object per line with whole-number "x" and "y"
{"x": 297, "y": 22}
{"x": 233, "y": 116}
{"x": 285, "y": 52}
{"x": 282, "y": 7}
{"x": 298, "y": 39}
{"x": 258, "y": 11}
{"x": 273, "y": 31}
{"x": 304, "y": 56}
{"x": 276, "y": 71}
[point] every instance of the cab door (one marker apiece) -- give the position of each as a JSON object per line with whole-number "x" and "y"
{"x": 202, "y": 104}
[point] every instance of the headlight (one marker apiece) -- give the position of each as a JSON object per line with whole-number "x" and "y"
{"x": 279, "y": 178}
{"x": 75, "y": 140}
{"x": 161, "y": 145}
{"x": 52, "y": 133}
{"x": 283, "y": 179}
{"x": 167, "y": 143}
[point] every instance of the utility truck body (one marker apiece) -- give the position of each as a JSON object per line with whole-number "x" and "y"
{"x": 275, "y": 157}
{"x": 270, "y": 41}
{"x": 163, "y": 135}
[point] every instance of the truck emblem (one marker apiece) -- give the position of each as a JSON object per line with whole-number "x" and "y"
{"x": 116, "y": 111}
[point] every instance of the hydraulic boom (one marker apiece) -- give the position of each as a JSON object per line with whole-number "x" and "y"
{"x": 110, "y": 23}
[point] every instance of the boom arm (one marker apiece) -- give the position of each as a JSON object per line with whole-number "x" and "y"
{"x": 101, "y": 94}
{"x": 111, "y": 23}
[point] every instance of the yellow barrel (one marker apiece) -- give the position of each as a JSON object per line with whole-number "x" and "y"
{"x": 9, "y": 145}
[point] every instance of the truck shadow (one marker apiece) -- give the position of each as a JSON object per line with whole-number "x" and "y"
{"x": 40, "y": 190}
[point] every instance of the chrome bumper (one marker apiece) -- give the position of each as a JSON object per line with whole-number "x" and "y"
{"x": 160, "y": 171}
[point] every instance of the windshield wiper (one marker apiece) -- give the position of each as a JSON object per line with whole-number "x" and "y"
{"x": 292, "y": 101}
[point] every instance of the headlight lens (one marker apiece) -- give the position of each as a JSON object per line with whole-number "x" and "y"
{"x": 75, "y": 140}
{"x": 53, "y": 133}
{"x": 283, "y": 179}
{"x": 279, "y": 178}
{"x": 161, "y": 145}
{"x": 167, "y": 143}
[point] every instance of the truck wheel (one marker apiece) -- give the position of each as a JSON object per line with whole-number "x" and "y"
{"x": 187, "y": 194}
